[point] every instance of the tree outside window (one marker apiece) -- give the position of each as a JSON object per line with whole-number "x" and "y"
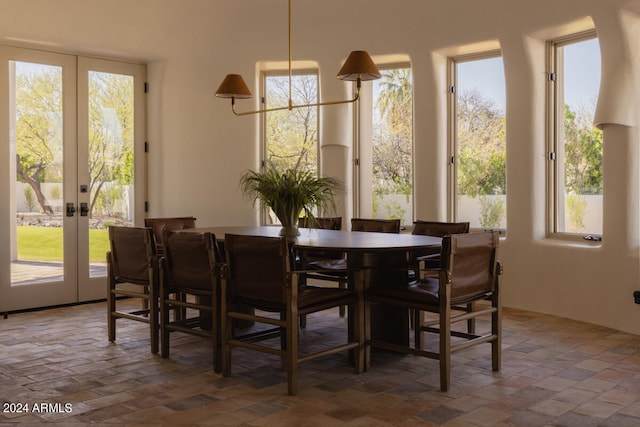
{"x": 292, "y": 135}
{"x": 480, "y": 143}
{"x": 392, "y": 145}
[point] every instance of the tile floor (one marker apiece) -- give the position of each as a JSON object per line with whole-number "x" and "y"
{"x": 555, "y": 372}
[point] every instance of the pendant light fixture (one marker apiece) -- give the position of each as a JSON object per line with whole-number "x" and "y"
{"x": 358, "y": 67}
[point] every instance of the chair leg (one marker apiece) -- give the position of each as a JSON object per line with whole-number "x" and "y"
{"x": 496, "y": 329}
{"x": 216, "y": 333}
{"x": 471, "y": 323}
{"x": 284, "y": 338}
{"x": 182, "y": 311}
{"x": 292, "y": 351}
{"x": 359, "y": 326}
{"x": 412, "y": 324}
{"x": 302, "y": 281}
{"x": 496, "y": 351}
{"x": 342, "y": 285}
{"x": 445, "y": 336}
{"x": 367, "y": 335}
{"x": 165, "y": 307}
{"x": 153, "y": 319}
{"x": 226, "y": 333}
{"x": 111, "y": 307}
{"x": 418, "y": 323}
{"x": 145, "y": 301}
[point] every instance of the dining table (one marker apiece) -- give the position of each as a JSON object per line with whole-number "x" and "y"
{"x": 383, "y": 258}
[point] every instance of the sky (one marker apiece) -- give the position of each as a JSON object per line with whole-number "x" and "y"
{"x": 582, "y": 75}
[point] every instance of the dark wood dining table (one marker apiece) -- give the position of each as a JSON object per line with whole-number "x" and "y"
{"x": 382, "y": 256}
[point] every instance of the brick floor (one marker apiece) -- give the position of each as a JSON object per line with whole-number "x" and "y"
{"x": 555, "y": 372}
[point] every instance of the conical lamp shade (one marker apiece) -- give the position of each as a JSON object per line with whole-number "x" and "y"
{"x": 233, "y": 86}
{"x": 359, "y": 65}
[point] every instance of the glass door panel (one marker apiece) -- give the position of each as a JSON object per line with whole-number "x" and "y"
{"x": 39, "y": 173}
{"x": 110, "y": 150}
{"x": 111, "y": 172}
{"x": 38, "y": 152}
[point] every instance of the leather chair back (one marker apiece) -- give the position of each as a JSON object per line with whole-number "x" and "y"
{"x": 158, "y": 225}
{"x": 324, "y": 223}
{"x": 257, "y": 268}
{"x": 376, "y": 225}
{"x": 439, "y": 229}
{"x": 132, "y": 252}
{"x": 190, "y": 260}
{"x": 471, "y": 259}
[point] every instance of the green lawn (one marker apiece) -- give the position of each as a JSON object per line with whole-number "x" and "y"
{"x": 45, "y": 244}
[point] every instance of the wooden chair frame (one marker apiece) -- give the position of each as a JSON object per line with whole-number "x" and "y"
{"x": 143, "y": 285}
{"x": 286, "y": 326}
{"x": 448, "y": 314}
{"x": 181, "y": 297}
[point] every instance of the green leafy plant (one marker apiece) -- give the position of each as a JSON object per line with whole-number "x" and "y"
{"x": 29, "y": 198}
{"x": 289, "y": 193}
{"x": 577, "y": 207}
{"x": 56, "y": 193}
{"x": 491, "y": 212}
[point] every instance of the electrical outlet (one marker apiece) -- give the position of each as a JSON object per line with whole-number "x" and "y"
{"x": 636, "y": 297}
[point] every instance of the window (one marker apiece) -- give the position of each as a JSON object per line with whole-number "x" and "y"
{"x": 386, "y": 164}
{"x": 575, "y": 145}
{"x": 290, "y": 137}
{"x": 478, "y": 141}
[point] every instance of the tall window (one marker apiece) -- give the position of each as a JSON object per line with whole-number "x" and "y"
{"x": 478, "y": 142}
{"x": 290, "y": 137}
{"x": 575, "y": 147}
{"x": 389, "y": 116}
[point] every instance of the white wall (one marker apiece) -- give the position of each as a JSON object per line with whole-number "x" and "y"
{"x": 198, "y": 149}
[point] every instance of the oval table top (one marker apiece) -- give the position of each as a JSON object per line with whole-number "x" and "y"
{"x": 341, "y": 240}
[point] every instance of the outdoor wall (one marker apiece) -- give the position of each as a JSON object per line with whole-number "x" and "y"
{"x": 122, "y": 208}
{"x": 198, "y": 149}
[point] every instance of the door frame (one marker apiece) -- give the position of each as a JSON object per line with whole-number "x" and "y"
{"x": 77, "y": 286}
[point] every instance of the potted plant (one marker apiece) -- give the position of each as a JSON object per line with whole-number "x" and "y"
{"x": 288, "y": 193}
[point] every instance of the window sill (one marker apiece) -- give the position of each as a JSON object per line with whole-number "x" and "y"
{"x": 574, "y": 240}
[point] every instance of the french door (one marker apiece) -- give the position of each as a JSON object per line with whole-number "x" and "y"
{"x": 72, "y": 135}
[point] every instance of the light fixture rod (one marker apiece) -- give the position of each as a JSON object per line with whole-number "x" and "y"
{"x": 234, "y": 87}
{"x": 290, "y": 62}
{"x": 292, "y": 107}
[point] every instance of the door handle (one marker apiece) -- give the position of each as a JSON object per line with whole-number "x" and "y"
{"x": 84, "y": 209}
{"x": 71, "y": 209}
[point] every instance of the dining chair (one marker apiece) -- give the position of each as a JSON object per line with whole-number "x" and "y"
{"x": 258, "y": 274}
{"x": 331, "y": 262}
{"x": 429, "y": 259}
{"x": 190, "y": 284}
{"x": 132, "y": 270}
{"x": 469, "y": 273}
{"x": 337, "y": 267}
{"x": 158, "y": 225}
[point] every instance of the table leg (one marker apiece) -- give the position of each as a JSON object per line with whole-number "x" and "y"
{"x": 388, "y": 323}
